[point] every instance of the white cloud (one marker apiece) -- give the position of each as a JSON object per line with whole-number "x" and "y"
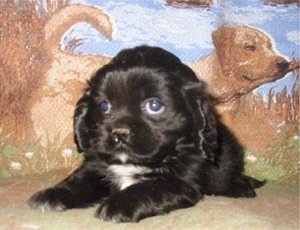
{"x": 181, "y": 28}
{"x": 78, "y": 1}
{"x": 244, "y": 15}
{"x": 293, "y": 36}
{"x": 250, "y": 14}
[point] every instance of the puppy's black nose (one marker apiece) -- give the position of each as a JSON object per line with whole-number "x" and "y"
{"x": 121, "y": 134}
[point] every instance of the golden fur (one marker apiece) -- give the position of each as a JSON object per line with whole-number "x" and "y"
{"x": 52, "y": 105}
{"x": 244, "y": 59}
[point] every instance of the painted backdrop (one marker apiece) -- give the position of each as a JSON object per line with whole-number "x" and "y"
{"x": 50, "y": 48}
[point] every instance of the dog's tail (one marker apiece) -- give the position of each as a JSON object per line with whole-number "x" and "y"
{"x": 60, "y": 22}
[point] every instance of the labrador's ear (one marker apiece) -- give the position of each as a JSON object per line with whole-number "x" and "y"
{"x": 81, "y": 133}
{"x": 204, "y": 121}
{"x": 224, "y": 40}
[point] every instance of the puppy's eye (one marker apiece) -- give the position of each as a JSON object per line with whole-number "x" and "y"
{"x": 154, "y": 106}
{"x": 105, "y": 106}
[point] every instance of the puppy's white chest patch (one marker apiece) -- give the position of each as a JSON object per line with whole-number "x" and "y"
{"x": 125, "y": 175}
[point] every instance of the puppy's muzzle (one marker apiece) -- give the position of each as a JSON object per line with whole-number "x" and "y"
{"x": 121, "y": 134}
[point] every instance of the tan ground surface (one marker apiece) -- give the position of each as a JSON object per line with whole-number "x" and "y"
{"x": 276, "y": 207}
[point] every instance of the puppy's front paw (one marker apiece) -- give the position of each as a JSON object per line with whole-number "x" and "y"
{"x": 119, "y": 209}
{"x": 54, "y": 199}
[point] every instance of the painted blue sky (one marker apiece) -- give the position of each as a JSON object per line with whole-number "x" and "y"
{"x": 187, "y": 32}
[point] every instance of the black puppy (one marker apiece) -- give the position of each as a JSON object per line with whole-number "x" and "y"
{"x": 151, "y": 143}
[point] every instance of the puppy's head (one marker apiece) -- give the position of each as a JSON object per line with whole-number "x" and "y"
{"x": 142, "y": 105}
{"x": 247, "y": 58}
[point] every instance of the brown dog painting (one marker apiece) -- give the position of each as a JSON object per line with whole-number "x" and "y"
{"x": 244, "y": 59}
{"x": 52, "y": 104}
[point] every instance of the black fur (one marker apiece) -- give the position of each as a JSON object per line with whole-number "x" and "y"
{"x": 151, "y": 143}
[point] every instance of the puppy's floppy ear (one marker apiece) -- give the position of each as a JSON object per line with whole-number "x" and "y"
{"x": 81, "y": 134}
{"x": 204, "y": 121}
{"x": 223, "y": 39}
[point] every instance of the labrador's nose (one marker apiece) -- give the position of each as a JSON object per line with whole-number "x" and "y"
{"x": 282, "y": 65}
